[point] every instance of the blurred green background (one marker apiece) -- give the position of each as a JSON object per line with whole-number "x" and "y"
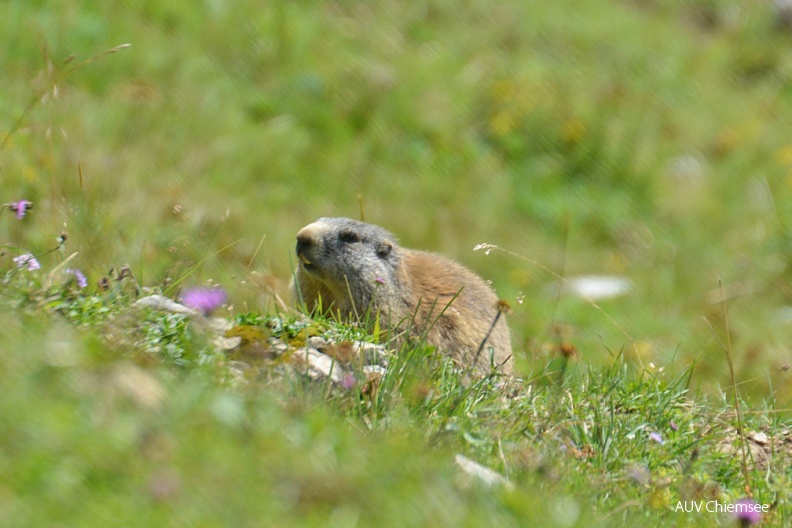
{"x": 646, "y": 139}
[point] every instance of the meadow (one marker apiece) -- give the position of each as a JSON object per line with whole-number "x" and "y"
{"x": 168, "y": 145}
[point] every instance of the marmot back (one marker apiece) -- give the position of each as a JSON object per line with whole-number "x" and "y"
{"x": 353, "y": 268}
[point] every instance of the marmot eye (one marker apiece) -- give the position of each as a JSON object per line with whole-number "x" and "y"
{"x": 384, "y": 248}
{"x": 349, "y": 237}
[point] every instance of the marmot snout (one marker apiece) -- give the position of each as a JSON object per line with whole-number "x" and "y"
{"x": 353, "y": 268}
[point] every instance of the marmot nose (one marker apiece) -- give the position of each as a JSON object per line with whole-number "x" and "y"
{"x": 306, "y": 237}
{"x": 302, "y": 245}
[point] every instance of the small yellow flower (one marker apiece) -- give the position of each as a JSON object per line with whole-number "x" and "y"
{"x": 502, "y": 123}
{"x": 617, "y": 262}
{"x": 660, "y": 498}
{"x": 30, "y": 175}
{"x": 783, "y": 156}
{"x": 521, "y": 277}
{"x": 503, "y": 91}
{"x": 574, "y": 130}
{"x": 639, "y": 350}
{"x": 524, "y": 101}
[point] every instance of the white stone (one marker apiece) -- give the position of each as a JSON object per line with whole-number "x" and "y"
{"x": 162, "y": 303}
{"x": 372, "y": 354}
{"x": 318, "y": 365}
{"x": 482, "y": 473}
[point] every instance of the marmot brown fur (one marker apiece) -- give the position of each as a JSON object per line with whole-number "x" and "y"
{"x": 353, "y": 269}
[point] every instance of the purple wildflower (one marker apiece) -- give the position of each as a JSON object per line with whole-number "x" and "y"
{"x": 379, "y": 280}
{"x": 657, "y": 437}
{"x": 82, "y": 282}
{"x": 747, "y": 512}
{"x": 204, "y": 299}
{"x": 674, "y": 426}
{"x": 28, "y": 260}
{"x": 21, "y": 207}
{"x": 348, "y": 381}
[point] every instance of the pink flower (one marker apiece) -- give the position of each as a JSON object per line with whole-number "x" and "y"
{"x": 204, "y": 299}
{"x": 21, "y": 207}
{"x": 348, "y": 381}
{"x": 28, "y": 260}
{"x": 82, "y": 282}
{"x": 747, "y": 512}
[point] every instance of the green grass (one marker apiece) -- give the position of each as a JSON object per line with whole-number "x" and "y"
{"x": 100, "y": 429}
{"x": 648, "y": 139}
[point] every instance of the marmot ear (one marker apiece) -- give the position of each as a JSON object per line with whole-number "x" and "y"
{"x": 384, "y": 248}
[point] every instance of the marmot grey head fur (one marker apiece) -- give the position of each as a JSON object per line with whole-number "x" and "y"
{"x": 353, "y": 268}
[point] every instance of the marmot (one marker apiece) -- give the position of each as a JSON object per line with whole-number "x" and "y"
{"x": 357, "y": 270}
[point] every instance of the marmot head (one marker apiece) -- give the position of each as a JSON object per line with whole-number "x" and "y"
{"x": 337, "y": 251}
